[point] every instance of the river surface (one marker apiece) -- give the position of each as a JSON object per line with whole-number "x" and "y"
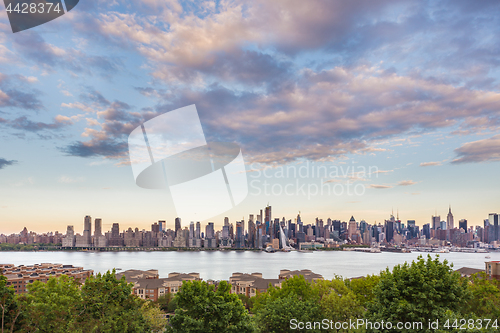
{"x": 219, "y": 265}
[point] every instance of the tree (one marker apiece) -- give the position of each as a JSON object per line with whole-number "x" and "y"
{"x": 109, "y": 306}
{"x": 363, "y": 288}
{"x": 296, "y": 299}
{"x": 8, "y": 305}
{"x": 338, "y": 302}
{"x": 203, "y": 309}
{"x": 423, "y": 291}
{"x": 51, "y": 306}
{"x": 154, "y": 317}
{"x": 167, "y": 302}
{"x": 485, "y": 301}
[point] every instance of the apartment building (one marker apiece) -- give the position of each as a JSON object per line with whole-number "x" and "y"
{"x": 19, "y": 277}
{"x": 148, "y": 285}
{"x": 251, "y": 284}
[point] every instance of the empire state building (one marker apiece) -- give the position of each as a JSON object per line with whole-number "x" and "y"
{"x": 449, "y": 220}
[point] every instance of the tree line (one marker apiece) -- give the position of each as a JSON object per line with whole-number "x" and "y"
{"x": 426, "y": 291}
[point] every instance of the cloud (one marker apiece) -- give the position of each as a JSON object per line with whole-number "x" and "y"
{"x": 4, "y": 162}
{"x": 380, "y": 186}
{"x": 15, "y": 91}
{"x": 424, "y": 164}
{"x": 23, "y": 123}
{"x": 406, "y": 183}
{"x": 486, "y": 150}
{"x": 33, "y": 47}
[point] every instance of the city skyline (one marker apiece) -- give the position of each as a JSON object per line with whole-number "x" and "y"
{"x": 397, "y": 89}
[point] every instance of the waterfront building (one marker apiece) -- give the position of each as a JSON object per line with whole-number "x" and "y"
{"x": 449, "y": 220}
{"x": 20, "y": 276}
{"x": 69, "y": 239}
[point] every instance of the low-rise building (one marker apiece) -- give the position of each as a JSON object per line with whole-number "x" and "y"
{"x": 148, "y": 285}
{"x": 20, "y": 276}
{"x": 493, "y": 269}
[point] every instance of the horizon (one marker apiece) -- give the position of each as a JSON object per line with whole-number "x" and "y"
{"x": 399, "y": 90}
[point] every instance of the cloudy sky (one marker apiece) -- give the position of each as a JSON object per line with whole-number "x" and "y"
{"x": 407, "y": 89}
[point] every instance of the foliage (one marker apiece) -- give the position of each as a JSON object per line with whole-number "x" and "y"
{"x": 8, "y": 306}
{"x": 51, "y": 306}
{"x": 167, "y": 302}
{"x": 423, "y": 291}
{"x": 485, "y": 301}
{"x": 296, "y": 299}
{"x": 108, "y": 306}
{"x": 338, "y": 302}
{"x": 203, "y": 309}
{"x": 154, "y": 317}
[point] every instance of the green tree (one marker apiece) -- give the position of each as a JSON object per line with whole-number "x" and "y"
{"x": 52, "y": 306}
{"x": 338, "y": 302}
{"x": 203, "y": 309}
{"x": 109, "y": 306}
{"x": 154, "y": 317}
{"x": 363, "y": 288}
{"x": 167, "y": 303}
{"x": 8, "y": 305}
{"x": 295, "y": 300}
{"x": 485, "y": 301}
{"x": 423, "y": 291}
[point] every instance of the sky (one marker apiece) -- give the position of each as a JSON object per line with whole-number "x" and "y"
{"x": 394, "y": 105}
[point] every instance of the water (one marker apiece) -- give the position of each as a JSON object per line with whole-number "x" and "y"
{"x": 219, "y": 265}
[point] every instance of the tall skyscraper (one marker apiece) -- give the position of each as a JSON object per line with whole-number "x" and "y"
{"x": 197, "y": 232}
{"x": 462, "y": 224}
{"x": 163, "y": 226}
{"x": 87, "y": 230}
{"x": 267, "y": 220}
{"x": 98, "y": 227}
{"x": 240, "y": 236}
{"x": 494, "y": 227}
{"x": 178, "y": 227}
{"x": 449, "y": 220}
{"x": 436, "y": 220}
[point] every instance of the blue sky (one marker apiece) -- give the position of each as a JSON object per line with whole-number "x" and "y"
{"x": 410, "y": 88}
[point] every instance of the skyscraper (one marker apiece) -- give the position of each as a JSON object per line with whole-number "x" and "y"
{"x": 87, "y": 230}
{"x": 177, "y": 225}
{"x": 267, "y": 219}
{"x": 436, "y": 220}
{"x": 163, "y": 226}
{"x": 449, "y": 220}
{"x": 463, "y": 224}
{"x": 494, "y": 227}
{"x": 97, "y": 227}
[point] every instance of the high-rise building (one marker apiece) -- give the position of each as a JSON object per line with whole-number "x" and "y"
{"x": 436, "y": 220}
{"x": 494, "y": 226}
{"x": 87, "y": 230}
{"x": 115, "y": 238}
{"x": 462, "y": 224}
{"x": 97, "y": 227}
{"x": 449, "y": 220}
{"x": 389, "y": 230}
{"x": 155, "y": 228}
{"x": 197, "y": 232}
{"x": 442, "y": 225}
{"x": 267, "y": 220}
{"x": 426, "y": 230}
{"x": 99, "y": 239}
{"x": 177, "y": 225}
{"x": 69, "y": 240}
{"x": 163, "y": 226}
{"x": 240, "y": 236}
